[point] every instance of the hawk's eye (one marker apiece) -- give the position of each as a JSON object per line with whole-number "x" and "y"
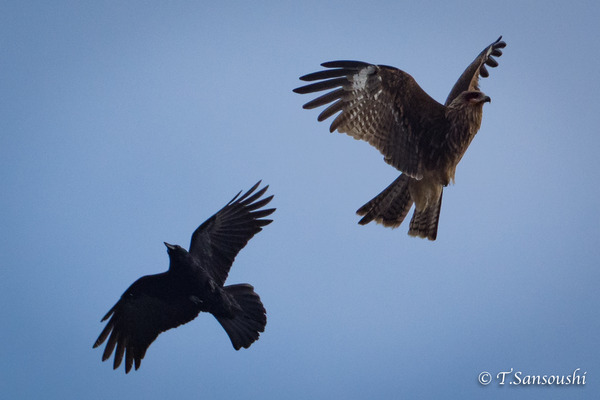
{"x": 473, "y": 96}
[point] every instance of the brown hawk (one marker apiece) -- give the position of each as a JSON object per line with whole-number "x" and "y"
{"x": 419, "y": 136}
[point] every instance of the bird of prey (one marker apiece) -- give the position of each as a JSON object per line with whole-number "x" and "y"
{"x": 193, "y": 283}
{"x": 420, "y": 137}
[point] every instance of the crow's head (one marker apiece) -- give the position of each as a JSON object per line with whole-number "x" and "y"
{"x": 177, "y": 254}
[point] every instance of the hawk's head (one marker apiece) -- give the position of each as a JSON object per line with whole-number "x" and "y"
{"x": 466, "y": 110}
{"x": 470, "y": 98}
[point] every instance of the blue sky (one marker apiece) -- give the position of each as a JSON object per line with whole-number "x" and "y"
{"x": 127, "y": 125}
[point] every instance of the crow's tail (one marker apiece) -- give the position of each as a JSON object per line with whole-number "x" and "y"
{"x": 245, "y": 327}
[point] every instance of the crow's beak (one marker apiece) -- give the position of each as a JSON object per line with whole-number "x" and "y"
{"x": 170, "y": 247}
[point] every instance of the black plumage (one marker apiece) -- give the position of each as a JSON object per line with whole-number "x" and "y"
{"x": 193, "y": 284}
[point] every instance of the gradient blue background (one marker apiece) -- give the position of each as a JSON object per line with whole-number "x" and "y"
{"x": 126, "y": 124}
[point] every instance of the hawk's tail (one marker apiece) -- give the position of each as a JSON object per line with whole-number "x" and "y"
{"x": 424, "y": 223}
{"x": 389, "y": 207}
{"x": 244, "y": 329}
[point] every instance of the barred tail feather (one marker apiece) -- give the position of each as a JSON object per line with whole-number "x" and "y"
{"x": 424, "y": 223}
{"x": 389, "y": 207}
{"x": 244, "y": 329}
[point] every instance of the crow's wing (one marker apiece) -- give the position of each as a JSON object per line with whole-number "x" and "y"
{"x": 383, "y": 106}
{"x": 145, "y": 310}
{"x": 469, "y": 80}
{"x": 220, "y": 238}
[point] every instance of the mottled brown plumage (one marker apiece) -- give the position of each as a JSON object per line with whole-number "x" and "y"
{"x": 424, "y": 139}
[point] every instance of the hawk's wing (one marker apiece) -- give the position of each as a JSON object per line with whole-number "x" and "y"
{"x": 469, "y": 80}
{"x": 144, "y": 311}
{"x": 383, "y": 106}
{"x": 219, "y": 239}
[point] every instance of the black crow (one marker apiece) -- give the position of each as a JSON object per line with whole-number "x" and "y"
{"x": 193, "y": 283}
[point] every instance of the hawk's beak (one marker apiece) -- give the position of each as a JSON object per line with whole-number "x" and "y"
{"x": 487, "y": 99}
